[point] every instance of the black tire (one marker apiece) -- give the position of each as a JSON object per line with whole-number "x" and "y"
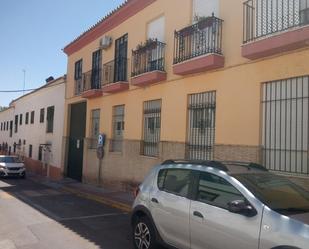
{"x": 143, "y": 234}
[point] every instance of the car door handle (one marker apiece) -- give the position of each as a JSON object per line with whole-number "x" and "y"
{"x": 154, "y": 200}
{"x": 198, "y": 214}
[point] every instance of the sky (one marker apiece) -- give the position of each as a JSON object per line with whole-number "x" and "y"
{"x": 33, "y": 34}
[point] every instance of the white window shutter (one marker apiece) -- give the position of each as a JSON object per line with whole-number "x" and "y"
{"x": 205, "y": 8}
{"x": 156, "y": 29}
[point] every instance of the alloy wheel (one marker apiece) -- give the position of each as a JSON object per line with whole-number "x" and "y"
{"x": 142, "y": 236}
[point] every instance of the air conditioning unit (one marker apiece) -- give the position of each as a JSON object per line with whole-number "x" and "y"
{"x": 106, "y": 42}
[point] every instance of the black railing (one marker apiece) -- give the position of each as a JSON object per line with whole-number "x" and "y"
{"x": 79, "y": 86}
{"x": 266, "y": 17}
{"x": 199, "y": 39}
{"x": 92, "y": 79}
{"x": 115, "y": 71}
{"x": 148, "y": 57}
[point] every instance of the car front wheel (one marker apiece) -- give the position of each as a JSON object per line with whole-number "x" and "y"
{"x": 143, "y": 234}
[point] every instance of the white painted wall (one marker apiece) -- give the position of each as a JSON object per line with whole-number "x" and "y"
{"x": 35, "y": 134}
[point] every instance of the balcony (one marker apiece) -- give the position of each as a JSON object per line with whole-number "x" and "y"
{"x": 91, "y": 87}
{"x": 274, "y": 26}
{"x": 115, "y": 76}
{"x": 148, "y": 63}
{"x": 198, "y": 48}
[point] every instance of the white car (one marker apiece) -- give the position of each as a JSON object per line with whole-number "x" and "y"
{"x": 12, "y": 166}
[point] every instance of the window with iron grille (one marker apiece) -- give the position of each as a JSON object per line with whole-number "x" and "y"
{"x": 20, "y": 119}
{"x": 40, "y": 157}
{"x": 16, "y": 124}
{"x": 42, "y": 114}
{"x": 32, "y": 117}
{"x": 285, "y": 125}
{"x": 201, "y": 126}
{"x": 11, "y": 128}
{"x": 95, "y": 128}
{"x": 27, "y": 118}
{"x": 118, "y": 128}
{"x": 50, "y": 119}
{"x": 152, "y": 128}
{"x": 30, "y": 150}
{"x": 78, "y": 74}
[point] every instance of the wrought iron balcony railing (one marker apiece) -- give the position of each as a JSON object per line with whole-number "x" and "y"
{"x": 199, "y": 39}
{"x": 92, "y": 79}
{"x": 148, "y": 57}
{"x": 79, "y": 86}
{"x": 266, "y": 17}
{"x": 115, "y": 71}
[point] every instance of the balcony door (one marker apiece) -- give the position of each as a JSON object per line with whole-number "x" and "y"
{"x": 121, "y": 50}
{"x": 96, "y": 69}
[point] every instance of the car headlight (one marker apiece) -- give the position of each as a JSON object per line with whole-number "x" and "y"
{"x": 2, "y": 167}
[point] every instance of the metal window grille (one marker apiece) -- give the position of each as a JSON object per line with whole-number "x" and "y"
{"x": 152, "y": 128}
{"x": 78, "y": 77}
{"x": 50, "y": 119}
{"x": 16, "y": 124}
{"x": 265, "y": 17}
{"x": 285, "y": 125}
{"x": 118, "y": 128}
{"x": 201, "y": 126}
{"x": 27, "y": 118}
{"x": 11, "y": 128}
{"x": 95, "y": 128}
{"x": 20, "y": 119}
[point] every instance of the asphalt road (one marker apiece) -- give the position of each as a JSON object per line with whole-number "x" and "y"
{"x": 34, "y": 216}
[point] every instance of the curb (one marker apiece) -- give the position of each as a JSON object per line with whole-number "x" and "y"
{"x": 106, "y": 201}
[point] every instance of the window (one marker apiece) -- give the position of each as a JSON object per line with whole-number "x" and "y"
{"x": 50, "y": 119}
{"x": 30, "y": 150}
{"x": 27, "y": 118}
{"x": 16, "y": 124}
{"x": 32, "y": 117}
{"x": 203, "y": 8}
{"x": 216, "y": 191}
{"x": 95, "y": 127}
{"x": 42, "y": 114}
{"x": 156, "y": 29}
{"x": 40, "y": 153}
{"x": 1, "y": 126}
{"x": 20, "y": 119}
{"x": 118, "y": 128}
{"x": 78, "y": 74}
{"x": 285, "y": 125}
{"x": 11, "y": 128}
{"x": 7, "y": 125}
{"x": 201, "y": 128}
{"x": 175, "y": 181}
{"x": 152, "y": 128}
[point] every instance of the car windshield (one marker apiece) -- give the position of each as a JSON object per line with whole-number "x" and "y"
{"x": 277, "y": 192}
{"x": 9, "y": 159}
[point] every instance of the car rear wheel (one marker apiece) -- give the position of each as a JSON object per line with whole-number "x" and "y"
{"x": 144, "y": 236}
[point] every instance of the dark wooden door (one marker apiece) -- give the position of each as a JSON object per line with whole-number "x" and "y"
{"x": 76, "y": 141}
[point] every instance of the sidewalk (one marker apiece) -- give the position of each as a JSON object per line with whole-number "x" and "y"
{"x": 116, "y": 199}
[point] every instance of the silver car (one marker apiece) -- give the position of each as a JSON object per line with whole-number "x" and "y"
{"x": 219, "y": 205}
{"x": 12, "y": 166}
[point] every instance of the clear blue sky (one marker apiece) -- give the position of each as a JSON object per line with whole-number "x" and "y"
{"x": 33, "y": 32}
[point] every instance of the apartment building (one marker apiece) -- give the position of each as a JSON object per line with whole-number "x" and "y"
{"x": 32, "y": 127}
{"x": 196, "y": 79}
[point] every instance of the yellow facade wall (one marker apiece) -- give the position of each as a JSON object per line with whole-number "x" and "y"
{"x": 238, "y": 84}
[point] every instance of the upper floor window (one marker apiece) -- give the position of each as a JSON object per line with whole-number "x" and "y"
{"x": 16, "y": 124}
{"x": 42, "y": 115}
{"x": 156, "y": 29}
{"x": 32, "y": 118}
{"x": 20, "y": 119}
{"x": 205, "y": 8}
{"x": 27, "y": 118}
{"x": 50, "y": 119}
{"x": 78, "y": 72}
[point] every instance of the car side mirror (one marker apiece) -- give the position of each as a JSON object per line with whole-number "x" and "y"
{"x": 241, "y": 207}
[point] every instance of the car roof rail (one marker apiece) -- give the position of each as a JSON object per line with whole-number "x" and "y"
{"x": 209, "y": 163}
{"x": 248, "y": 165}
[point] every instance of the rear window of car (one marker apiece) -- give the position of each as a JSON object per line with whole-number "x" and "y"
{"x": 175, "y": 181}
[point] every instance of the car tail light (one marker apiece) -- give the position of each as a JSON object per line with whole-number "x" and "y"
{"x": 136, "y": 191}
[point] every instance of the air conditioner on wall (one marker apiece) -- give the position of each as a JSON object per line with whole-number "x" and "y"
{"x": 105, "y": 42}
